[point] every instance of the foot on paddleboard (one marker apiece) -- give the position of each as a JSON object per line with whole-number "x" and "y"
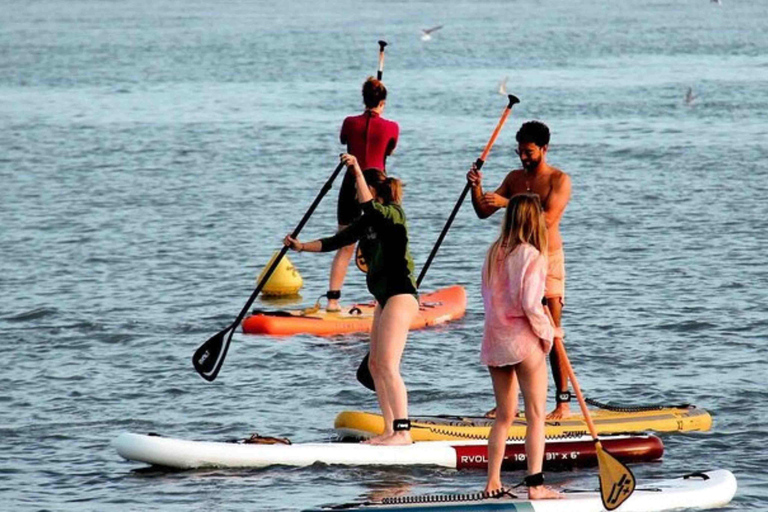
{"x": 542, "y": 492}
{"x": 562, "y": 411}
{"x": 491, "y": 413}
{"x": 400, "y": 438}
{"x": 537, "y": 490}
{"x": 376, "y": 440}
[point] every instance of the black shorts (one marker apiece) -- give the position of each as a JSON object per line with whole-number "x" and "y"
{"x": 348, "y": 208}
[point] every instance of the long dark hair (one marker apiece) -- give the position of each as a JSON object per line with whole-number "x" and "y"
{"x": 388, "y": 189}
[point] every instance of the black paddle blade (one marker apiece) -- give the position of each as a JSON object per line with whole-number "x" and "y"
{"x": 364, "y": 374}
{"x": 209, "y": 358}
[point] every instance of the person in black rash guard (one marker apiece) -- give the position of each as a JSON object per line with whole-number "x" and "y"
{"x": 383, "y": 234}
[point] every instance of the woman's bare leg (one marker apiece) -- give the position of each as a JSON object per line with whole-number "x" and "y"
{"x": 339, "y": 271}
{"x": 381, "y": 395}
{"x": 532, "y": 373}
{"x": 505, "y": 390}
{"x": 386, "y": 353}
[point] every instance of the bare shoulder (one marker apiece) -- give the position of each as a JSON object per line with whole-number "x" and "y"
{"x": 560, "y": 179}
{"x": 559, "y": 176}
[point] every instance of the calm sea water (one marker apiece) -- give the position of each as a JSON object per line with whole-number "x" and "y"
{"x": 153, "y": 154}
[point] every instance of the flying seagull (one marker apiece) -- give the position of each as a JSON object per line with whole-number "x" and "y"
{"x": 426, "y": 32}
{"x": 503, "y": 86}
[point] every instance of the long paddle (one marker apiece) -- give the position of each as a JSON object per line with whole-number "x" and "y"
{"x": 208, "y": 359}
{"x": 363, "y": 373}
{"x": 380, "y": 72}
{"x": 617, "y": 483}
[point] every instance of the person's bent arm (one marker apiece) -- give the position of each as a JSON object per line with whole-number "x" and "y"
{"x": 475, "y": 181}
{"x": 533, "y": 290}
{"x": 558, "y": 200}
{"x": 485, "y": 204}
{"x": 363, "y": 194}
{"x": 343, "y": 238}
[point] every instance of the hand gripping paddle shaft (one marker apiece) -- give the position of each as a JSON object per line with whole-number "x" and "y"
{"x": 363, "y": 373}
{"x": 208, "y": 359}
{"x": 380, "y": 72}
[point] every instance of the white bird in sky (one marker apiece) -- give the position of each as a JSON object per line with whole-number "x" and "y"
{"x": 426, "y": 32}
{"x": 503, "y": 86}
{"x": 689, "y": 96}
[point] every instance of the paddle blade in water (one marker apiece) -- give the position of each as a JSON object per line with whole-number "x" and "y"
{"x": 364, "y": 376}
{"x": 617, "y": 483}
{"x": 208, "y": 359}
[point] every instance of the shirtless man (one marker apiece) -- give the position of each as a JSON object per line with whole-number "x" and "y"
{"x": 554, "y": 188}
{"x": 371, "y": 139}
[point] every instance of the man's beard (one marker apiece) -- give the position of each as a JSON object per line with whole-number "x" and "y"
{"x": 531, "y": 165}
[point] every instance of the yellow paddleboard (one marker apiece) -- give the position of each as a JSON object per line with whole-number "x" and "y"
{"x": 445, "y": 428}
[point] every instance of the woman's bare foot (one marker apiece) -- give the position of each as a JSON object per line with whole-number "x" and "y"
{"x": 377, "y": 439}
{"x": 402, "y": 437}
{"x": 491, "y": 413}
{"x": 561, "y": 412}
{"x": 542, "y": 492}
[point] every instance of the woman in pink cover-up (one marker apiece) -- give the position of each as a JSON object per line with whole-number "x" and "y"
{"x": 518, "y": 336}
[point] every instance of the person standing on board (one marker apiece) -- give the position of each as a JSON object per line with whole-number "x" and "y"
{"x": 383, "y": 235}
{"x": 370, "y": 139}
{"x": 517, "y": 336}
{"x": 553, "y": 187}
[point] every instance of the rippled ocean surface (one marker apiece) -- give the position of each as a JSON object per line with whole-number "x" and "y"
{"x": 153, "y": 154}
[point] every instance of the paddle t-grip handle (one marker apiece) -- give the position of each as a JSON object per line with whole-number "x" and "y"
{"x": 380, "y": 72}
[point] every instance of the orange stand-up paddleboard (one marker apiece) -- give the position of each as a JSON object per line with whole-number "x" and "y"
{"x": 440, "y": 306}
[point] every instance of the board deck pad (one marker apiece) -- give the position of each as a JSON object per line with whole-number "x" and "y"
{"x": 446, "y": 427}
{"x": 699, "y": 490}
{"x": 435, "y": 308}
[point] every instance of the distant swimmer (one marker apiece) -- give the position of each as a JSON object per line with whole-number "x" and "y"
{"x": 503, "y": 86}
{"x": 718, "y": 2}
{"x": 690, "y": 97}
{"x": 427, "y": 32}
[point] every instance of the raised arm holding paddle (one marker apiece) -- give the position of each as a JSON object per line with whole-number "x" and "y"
{"x": 382, "y": 231}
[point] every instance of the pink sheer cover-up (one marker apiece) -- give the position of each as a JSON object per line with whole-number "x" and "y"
{"x": 515, "y": 320}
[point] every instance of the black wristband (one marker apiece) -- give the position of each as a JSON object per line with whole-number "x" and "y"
{"x": 563, "y": 397}
{"x": 534, "y": 480}
{"x": 401, "y": 424}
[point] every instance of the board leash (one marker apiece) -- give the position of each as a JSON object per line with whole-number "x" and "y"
{"x": 634, "y": 408}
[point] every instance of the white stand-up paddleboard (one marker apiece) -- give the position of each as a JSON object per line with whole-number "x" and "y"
{"x": 710, "y": 489}
{"x": 184, "y": 454}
